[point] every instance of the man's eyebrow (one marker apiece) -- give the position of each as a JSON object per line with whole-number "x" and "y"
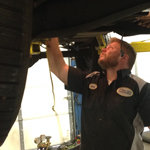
{"x": 110, "y": 46}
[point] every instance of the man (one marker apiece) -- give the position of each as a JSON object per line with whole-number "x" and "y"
{"x": 115, "y": 105}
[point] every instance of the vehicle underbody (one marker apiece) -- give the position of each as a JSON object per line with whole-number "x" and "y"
{"x": 24, "y": 21}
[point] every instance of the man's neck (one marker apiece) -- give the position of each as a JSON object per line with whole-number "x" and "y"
{"x": 111, "y": 74}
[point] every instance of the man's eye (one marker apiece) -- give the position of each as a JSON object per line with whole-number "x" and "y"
{"x": 110, "y": 47}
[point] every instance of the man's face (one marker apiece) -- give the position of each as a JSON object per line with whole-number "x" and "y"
{"x": 109, "y": 57}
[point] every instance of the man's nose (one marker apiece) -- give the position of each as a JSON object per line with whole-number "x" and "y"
{"x": 104, "y": 49}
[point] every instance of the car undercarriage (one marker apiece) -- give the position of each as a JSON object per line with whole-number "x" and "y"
{"x": 26, "y": 21}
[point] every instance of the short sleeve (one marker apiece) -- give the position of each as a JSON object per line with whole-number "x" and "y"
{"x": 144, "y": 104}
{"x": 76, "y": 79}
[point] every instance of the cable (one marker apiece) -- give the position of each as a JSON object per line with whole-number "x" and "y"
{"x": 121, "y": 51}
{"x": 53, "y": 107}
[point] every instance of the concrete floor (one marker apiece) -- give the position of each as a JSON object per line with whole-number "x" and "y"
{"x": 147, "y": 146}
{"x": 146, "y": 137}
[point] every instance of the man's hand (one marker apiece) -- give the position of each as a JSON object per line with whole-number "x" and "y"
{"x": 53, "y": 42}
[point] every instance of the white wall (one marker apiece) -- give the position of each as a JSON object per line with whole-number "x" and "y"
{"x": 12, "y": 141}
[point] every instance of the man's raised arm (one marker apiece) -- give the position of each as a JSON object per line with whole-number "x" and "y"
{"x": 56, "y": 60}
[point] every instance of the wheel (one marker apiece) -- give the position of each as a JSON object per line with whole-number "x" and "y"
{"x": 15, "y": 38}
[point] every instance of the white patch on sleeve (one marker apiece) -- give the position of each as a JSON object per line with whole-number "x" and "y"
{"x": 139, "y": 81}
{"x": 138, "y": 125}
{"x": 92, "y": 74}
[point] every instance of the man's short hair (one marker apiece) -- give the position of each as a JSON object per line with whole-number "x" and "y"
{"x": 127, "y": 49}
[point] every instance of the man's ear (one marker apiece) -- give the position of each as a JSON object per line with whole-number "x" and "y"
{"x": 125, "y": 58}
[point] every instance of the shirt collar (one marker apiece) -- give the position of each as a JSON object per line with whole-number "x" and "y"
{"x": 122, "y": 73}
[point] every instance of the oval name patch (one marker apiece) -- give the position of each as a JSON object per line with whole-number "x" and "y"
{"x": 92, "y": 86}
{"x": 126, "y": 92}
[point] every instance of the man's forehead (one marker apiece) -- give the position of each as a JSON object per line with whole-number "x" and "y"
{"x": 115, "y": 44}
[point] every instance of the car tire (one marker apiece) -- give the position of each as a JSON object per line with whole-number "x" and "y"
{"x": 15, "y": 38}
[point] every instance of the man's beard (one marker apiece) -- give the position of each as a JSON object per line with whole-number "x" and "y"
{"x": 108, "y": 62}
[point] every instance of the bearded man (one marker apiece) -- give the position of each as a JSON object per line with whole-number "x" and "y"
{"x": 115, "y": 103}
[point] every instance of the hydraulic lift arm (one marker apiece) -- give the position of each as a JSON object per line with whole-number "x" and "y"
{"x": 141, "y": 46}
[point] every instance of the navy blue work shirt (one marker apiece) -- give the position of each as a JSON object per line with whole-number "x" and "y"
{"x": 113, "y": 116}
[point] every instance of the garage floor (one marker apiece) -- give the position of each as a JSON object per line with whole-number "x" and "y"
{"x": 147, "y": 146}
{"x": 146, "y": 138}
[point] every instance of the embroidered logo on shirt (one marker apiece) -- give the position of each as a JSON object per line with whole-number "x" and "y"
{"x": 92, "y": 86}
{"x": 126, "y": 92}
